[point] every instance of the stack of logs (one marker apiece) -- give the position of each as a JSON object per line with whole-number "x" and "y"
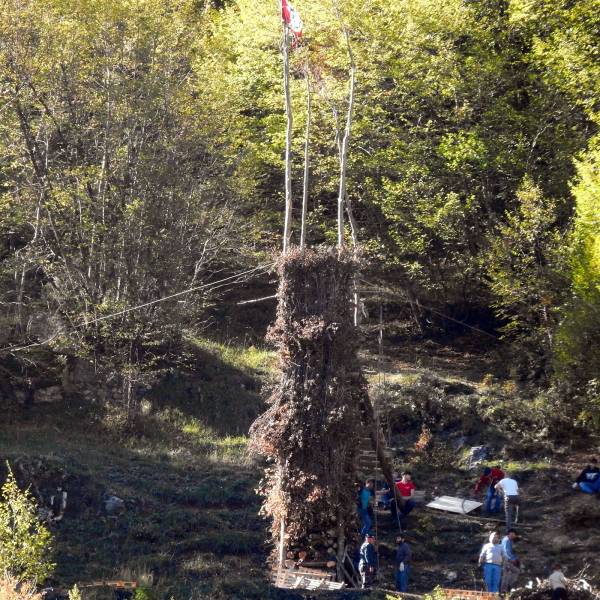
{"x": 317, "y": 551}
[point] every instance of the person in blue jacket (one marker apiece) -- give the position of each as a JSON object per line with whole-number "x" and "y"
{"x": 511, "y": 566}
{"x": 589, "y": 479}
{"x": 364, "y": 501}
{"x": 367, "y": 565}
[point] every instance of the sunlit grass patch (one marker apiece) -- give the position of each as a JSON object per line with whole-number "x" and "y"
{"x": 246, "y": 358}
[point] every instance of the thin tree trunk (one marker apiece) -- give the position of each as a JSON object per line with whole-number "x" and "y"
{"x": 345, "y": 142}
{"x": 287, "y": 225}
{"x": 306, "y": 160}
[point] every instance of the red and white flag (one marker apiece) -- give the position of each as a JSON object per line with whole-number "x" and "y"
{"x": 291, "y": 18}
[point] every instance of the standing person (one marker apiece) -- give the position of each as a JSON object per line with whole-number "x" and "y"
{"x": 559, "y": 583}
{"x": 491, "y": 558}
{"x": 403, "y": 557}
{"x": 510, "y": 488}
{"x": 367, "y": 565}
{"x": 488, "y": 480}
{"x": 364, "y": 500}
{"x": 511, "y": 567}
{"x": 405, "y": 486}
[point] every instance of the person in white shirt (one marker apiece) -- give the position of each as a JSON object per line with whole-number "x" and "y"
{"x": 491, "y": 557}
{"x": 510, "y": 489}
{"x": 558, "y": 582}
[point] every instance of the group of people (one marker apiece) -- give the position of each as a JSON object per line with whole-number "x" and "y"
{"x": 501, "y": 565}
{"x": 499, "y": 485}
{"x": 368, "y": 562}
{"x": 400, "y": 503}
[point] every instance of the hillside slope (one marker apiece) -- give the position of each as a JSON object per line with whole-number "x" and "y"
{"x": 190, "y": 526}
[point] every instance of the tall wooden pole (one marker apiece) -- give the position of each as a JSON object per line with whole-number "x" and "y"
{"x": 287, "y": 225}
{"x": 306, "y": 160}
{"x": 345, "y": 142}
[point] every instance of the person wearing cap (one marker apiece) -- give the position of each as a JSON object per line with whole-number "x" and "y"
{"x": 510, "y": 489}
{"x": 491, "y": 558}
{"x": 511, "y": 567}
{"x": 488, "y": 480}
{"x": 558, "y": 583}
{"x": 367, "y": 565}
{"x": 365, "y": 495}
{"x": 403, "y": 556}
{"x": 588, "y": 480}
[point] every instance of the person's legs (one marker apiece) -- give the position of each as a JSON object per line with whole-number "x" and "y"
{"x": 407, "y": 507}
{"x": 510, "y": 574}
{"x": 365, "y": 520}
{"x": 496, "y": 574}
{"x": 491, "y": 576}
{"x": 487, "y": 576}
{"x": 363, "y": 576}
{"x": 508, "y": 511}
{"x": 559, "y": 594}
{"x": 404, "y": 578}
{"x": 488, "y": 499}
{"x": 497, "y": 501}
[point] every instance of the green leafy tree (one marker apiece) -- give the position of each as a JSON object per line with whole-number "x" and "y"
{"x": 109, "y": 195}
{"x": 524, "y": 264}
{"x": 578, "y": 339}
{"x": 25, "y": 542}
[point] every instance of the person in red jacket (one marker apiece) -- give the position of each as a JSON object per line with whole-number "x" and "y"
{"x": 488, "y": 481}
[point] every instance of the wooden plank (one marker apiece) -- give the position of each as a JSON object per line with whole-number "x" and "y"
{"x": 461, "y": 506}
{"x": 308, "y": 581}
{"x": 456, "y": 517}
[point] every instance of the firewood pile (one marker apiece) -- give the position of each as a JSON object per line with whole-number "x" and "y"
{"x": 310, "y": 432}
{"x": 578, "y": 589}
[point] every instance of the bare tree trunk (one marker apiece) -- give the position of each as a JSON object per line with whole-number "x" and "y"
{"x": 287, "y": 225}
{"x": 306, "y": 158}
{"x": 345, "y": 142}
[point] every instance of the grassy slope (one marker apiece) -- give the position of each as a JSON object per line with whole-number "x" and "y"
{"x": 191, "y": 525}
{"x": 191, "y": 528}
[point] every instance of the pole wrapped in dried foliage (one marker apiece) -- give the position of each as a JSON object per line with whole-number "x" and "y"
{"x": 310, "y": 431}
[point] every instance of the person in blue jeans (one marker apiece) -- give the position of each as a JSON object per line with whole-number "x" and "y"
{"x": 364, "y": 500}
{"x": 491, "y": 557}
{"x": 403, "y": 556}
{"x": 489, "y": 478}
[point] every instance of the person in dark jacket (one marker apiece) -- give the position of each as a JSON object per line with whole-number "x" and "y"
{"x": 403, "y": 557}
{"x": 588, "y": 479}
{"x": 367, "y": 565}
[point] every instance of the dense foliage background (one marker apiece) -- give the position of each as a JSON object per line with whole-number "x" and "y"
{"x": 141, "y": 153}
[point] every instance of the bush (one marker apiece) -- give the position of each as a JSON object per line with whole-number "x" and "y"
{"x": 25, "y": 542}
{"x": 11, "y": 589}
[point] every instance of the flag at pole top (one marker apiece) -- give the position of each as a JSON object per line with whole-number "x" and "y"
{"x": 291, "y": 17}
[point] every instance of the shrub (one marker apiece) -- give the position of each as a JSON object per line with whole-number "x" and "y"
{"x": 25, "y": 542}
{"x": 11, "y": 589}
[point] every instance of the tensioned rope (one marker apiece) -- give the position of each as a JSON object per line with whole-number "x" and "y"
{"x": 398, "y": 296}
{"x": 213, "y": 285}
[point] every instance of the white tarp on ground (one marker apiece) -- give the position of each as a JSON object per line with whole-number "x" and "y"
{"x": 451, "y": 504}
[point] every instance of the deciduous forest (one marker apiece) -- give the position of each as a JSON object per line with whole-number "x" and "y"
{"x": 142, "y": 198}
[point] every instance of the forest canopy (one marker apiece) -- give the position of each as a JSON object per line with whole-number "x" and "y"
{"x": 141, "y": 153}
